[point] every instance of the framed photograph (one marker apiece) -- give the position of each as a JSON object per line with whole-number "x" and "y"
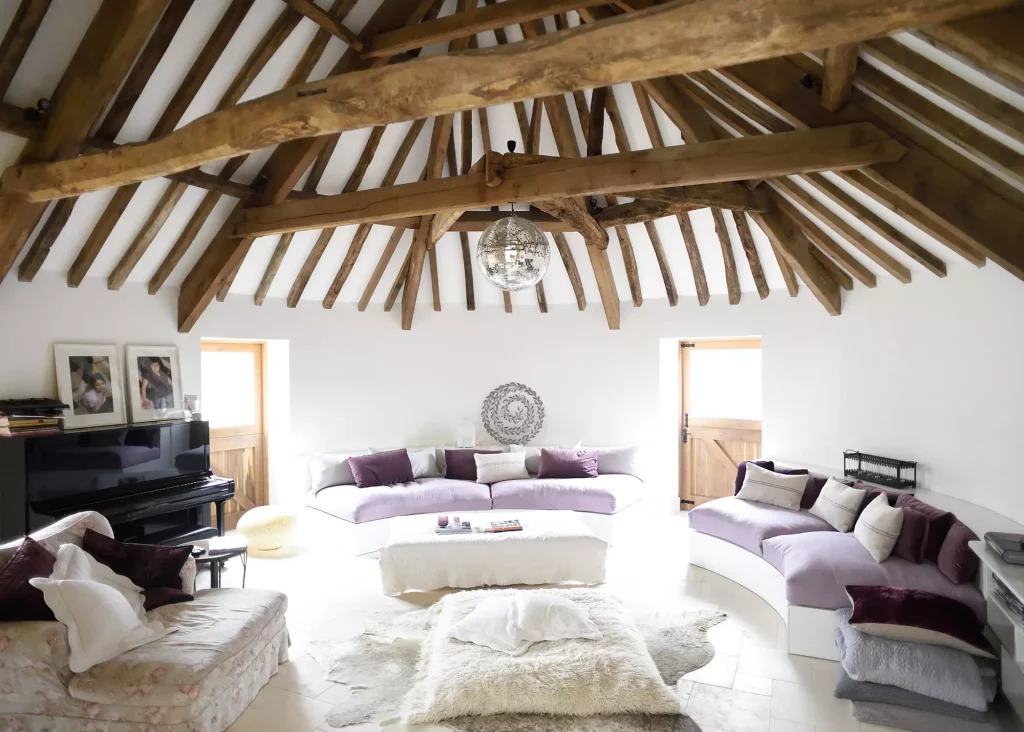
{"x": 154, "y": 383}
{"x": 89, "y": 379}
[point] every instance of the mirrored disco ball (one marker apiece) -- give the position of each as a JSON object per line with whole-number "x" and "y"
{"x": 513, "y": 253}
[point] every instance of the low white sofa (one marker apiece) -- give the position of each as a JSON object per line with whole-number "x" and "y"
{"x": 226, "y": 645}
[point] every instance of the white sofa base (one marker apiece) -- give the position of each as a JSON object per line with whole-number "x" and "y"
{"x": 808, "y": 629}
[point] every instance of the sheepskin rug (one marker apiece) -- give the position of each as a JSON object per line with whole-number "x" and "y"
{"x": 379, "y": 667}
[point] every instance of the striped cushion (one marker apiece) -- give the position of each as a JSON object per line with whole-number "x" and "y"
{"x": 765, "y": 486}
{"x": 879, "y": 527}
{"x": 838, "y": 504}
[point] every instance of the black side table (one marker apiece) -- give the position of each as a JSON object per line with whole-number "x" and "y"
{"x": 221, "y": 550}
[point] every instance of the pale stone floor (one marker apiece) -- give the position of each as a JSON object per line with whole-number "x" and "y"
{"x": 752, "y": 685}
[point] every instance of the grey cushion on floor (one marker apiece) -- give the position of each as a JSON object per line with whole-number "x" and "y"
{"x": 915, "y": 720}
{"x": 847, "y": 688}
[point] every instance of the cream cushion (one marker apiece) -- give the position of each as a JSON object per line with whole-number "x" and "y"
{"x": 500, "y": 466}
{"x": 268, "y": 527}
{"x": 878, "y": 528}
{"x": 837, "y": 504}
{"x": 775, "y": 489}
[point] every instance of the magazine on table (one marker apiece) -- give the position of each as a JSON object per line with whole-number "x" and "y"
{"x": 498, "y": 527}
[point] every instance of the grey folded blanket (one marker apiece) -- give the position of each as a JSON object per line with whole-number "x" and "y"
{"x": 865, "y": 691}
{"x": 941, "y": 673}
{"x": 916, "y": 720}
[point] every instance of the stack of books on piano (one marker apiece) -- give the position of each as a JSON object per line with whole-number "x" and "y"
{"x": 31, "y": 417}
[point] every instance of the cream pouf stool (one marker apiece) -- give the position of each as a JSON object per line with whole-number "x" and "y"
{"x": 266, "y": 528}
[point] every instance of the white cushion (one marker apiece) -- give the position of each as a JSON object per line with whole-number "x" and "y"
{"x": 103, "y": 620}
{"x": 879, "y": 527}
{"x": 512, "y": 623}
{"x": 775, "y": 489}
{"x": 532, "y": 457}
{"x": 327, "y": 469}
{"x": 500, "y": 466}
{"x": 618, "y": 461}
{"x": 837, "y": 504}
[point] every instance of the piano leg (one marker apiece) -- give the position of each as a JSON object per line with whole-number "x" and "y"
{"x": 220, "y": 517}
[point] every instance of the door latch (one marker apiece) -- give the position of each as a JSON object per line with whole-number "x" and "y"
{"x": 686, "y": 435}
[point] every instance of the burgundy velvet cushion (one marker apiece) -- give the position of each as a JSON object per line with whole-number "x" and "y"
{"x": 956, "y": 560}
{"x": 460, "y": 464}
{"x": 741, "y": 471}
{"x": 939, "y": 523}
{"x": 917, "y": 616}
{"x": 381, "y": 468}
{"x": 567, "y": 463}
{"x": 156, "y": 569}
{"x": 18, "y": 599}
{"x": 913, "y": 536}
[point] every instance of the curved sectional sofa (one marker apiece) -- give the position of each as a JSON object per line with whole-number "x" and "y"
{"x": 800, "y": 566}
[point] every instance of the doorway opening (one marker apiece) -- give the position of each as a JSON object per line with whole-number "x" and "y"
{"x": 720, "y": 415}
{"x": 233, "y": 376}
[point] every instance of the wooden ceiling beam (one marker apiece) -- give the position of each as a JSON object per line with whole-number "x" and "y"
{"x": 736, "y": 198}
{"x": 493, "y": 16}
{"x": 20, "y": 33}
{"x": 732, "y": 280}
{"x": 571, "y": 270}
{"x": 957, "y": 91}
{"x": 382, "y": 265}
{"x": 834, "y": 270}
{"x": 836, "y": 148}
{"x": 640, "y": 211}
{"x": 750, "y": 251}
{"x": 101, "y": 62}
{"x": 991, "y": 41}
{"x": 327, "y": 22}
{"x": 467, "y": 155}
{"x": 840, "y": 67}
{"x": 283, "y": 244}
{"x": 673, "y": 37}
{"x": 827, "y": 244}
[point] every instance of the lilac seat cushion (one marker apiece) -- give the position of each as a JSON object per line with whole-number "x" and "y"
{"x": 557, "y": 462}
{"x": 605, "y": 494}
{"x": 819, "y": 565}
{"x": 461, "y": 465}
{"x": 426, "y": 495}
{"x": 747, "y": 524}
{"x": 381, "y": 468}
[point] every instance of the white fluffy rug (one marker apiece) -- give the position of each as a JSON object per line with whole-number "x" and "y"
{"x": 378, "y": 668}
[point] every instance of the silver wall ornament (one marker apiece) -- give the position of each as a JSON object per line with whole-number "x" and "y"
{"x": 513, "y": 414}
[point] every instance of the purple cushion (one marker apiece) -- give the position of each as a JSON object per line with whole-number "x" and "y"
{"x": 939, "y": 523}
{"x": 913, "y": 537}
{"x": 426, "y": 495}
{"x": 871, "y": 493}
{"x": 18, "y": 599}
{"x": 156, "y": 569}
{"x": 818, "y": 566}
{"x": 557, "y": 462}
{"x": 461, "y": 465}
{"x": 956, "y": 560}
{"x": 605, "y": 494}
{"x": 901, "y": 614}
{"x": 741, "y": 471}
{"x": 381, "y": 468}
{"x": 747, "y": 524}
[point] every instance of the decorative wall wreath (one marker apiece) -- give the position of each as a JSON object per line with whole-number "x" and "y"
{"x": 513, "y": 414}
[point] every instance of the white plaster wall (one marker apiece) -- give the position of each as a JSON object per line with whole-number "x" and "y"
{"x": 927, "y": 371}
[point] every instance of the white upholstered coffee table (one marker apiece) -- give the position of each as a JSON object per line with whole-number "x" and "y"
{"x": 553, "y": 547}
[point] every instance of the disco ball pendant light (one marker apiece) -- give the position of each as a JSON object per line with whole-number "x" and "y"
{"x": 513, "y": 253}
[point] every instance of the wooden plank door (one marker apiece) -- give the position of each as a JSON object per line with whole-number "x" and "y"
{"x": 232, "y": 400}
{"x": 720, "y": 419}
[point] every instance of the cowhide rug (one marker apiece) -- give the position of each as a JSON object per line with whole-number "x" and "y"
{"x": 378, "y": 666}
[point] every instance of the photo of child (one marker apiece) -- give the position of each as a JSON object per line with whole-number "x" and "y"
{"x": 90, "y": 384}
{"x": 156, "y": 382}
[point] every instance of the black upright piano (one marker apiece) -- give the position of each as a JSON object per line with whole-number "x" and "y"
{"x": 152, "y": 482}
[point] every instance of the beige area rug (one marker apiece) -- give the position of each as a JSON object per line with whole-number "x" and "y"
{"x": 378, "y": 667}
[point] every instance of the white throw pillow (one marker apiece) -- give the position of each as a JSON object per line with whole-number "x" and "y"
{"x": 618, "y": 461}
{"x": 424, "y": 462}
{"x": 74, "y": 563}
{"x": 775, "y": 489}
{"x": 879, "y": 527}
{"x": 327, "y": 469}
{"x": 532, "y": 457}
{"x": 500, "y": 466}
{"x": 837, "y": 504}
{"x": 511, "y": 623}
{"x": 101, "y": 623}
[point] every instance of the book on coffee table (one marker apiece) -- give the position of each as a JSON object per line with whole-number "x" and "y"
{"x": 498, "y": 527}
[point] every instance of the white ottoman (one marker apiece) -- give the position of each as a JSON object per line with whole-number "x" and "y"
{"x": 553, "y": 547}
{"x": 268, "y": 527}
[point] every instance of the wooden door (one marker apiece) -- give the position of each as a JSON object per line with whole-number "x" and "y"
{"x": 233, "y": 402}
{"x": 720, "y": 419}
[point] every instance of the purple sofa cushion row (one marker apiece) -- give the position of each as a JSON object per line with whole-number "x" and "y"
{"x": 917, "y": 616}
{"x": 556, "y": 462}
{"x": 748, "y": 524}
{"x": 819, "y": 565}
{"x": 461, "y": 465}
{"x": 426, "y": 495}
{"x": 381, "y": 468}
{"x": 956, "y": 560}
{"x": 939, "y": 524}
